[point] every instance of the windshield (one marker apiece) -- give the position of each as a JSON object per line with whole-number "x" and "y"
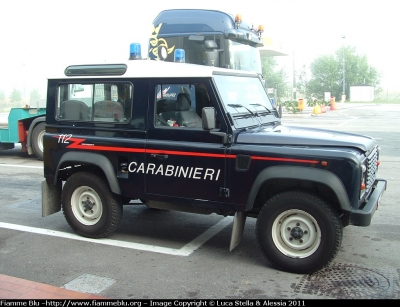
{"x": 245, "y": 99}
{"x": 244, "y": 57}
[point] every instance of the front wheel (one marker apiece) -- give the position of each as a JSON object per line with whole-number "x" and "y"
{"x": 298, "y": 232}
{"x": 89, "y": 206}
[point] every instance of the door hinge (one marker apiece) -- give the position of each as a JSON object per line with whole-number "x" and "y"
{"x": 224, "y": 192}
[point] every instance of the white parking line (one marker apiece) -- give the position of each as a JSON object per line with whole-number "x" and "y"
{"x": 26, "y": 166}
{"x": 346, "y": 122}
{"x": 186, "y": 250}
{"x": 351, "y": 118}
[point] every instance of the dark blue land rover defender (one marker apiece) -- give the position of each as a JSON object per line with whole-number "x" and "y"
{"x": 206, "y": 140}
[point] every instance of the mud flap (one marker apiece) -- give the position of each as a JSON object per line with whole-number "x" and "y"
{"x": 237, "y": 229}
{"x": 51, "y": 198}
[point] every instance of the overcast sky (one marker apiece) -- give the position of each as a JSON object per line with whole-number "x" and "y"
{"x": 39, "y": 38}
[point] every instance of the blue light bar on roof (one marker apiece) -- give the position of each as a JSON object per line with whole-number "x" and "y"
{"x": 135, "y": 52}
{"x": 179, "y": 56}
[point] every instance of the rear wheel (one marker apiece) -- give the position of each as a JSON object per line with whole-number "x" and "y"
{"x": 89, "y": 206}
{"x": 298, "y": 232}
{"x": 37, "y": 140}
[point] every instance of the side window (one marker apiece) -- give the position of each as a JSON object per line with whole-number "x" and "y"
{"x": 100, "y": 102}
{"x": 179, "y": 105}
{"x": 74, "y": 102}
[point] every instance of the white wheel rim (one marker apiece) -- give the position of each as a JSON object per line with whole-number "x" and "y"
{"x": 296, "y": 233}
{"x": 86, "y": 206}
{"x": 40, "y": 140}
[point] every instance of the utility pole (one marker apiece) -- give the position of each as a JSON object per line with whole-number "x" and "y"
{"x": 344, "y": 68}
{"x": 294, "y": 81}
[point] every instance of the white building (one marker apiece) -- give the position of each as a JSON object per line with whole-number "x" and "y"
{"x": 362, "y": 93}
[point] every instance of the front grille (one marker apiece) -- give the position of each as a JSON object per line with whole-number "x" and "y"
{"x": 372, "y": 169}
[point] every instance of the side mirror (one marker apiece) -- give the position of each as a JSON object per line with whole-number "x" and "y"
{"x": 208, "y": 118}
{"x": 209, "y": 122}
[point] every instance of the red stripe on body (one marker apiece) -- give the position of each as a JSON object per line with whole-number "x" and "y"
{"x": 77, "y": 144}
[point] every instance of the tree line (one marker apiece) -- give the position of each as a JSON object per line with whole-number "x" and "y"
{"x": 326, "y": 75}
{"x": 16, "y": 95}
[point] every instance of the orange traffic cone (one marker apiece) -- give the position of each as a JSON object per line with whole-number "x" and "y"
{"x": 300, "y": 105}
{"x": 316, "y": 110}
{"x": 333, "y": 103}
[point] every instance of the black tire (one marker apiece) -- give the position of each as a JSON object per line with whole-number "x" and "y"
{"x": 298, "y": 232}
{"x": 37, "y": 140}
{"x": 89, "y": 206}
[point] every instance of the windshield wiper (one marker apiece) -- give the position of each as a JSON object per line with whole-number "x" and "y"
{"x": 254, "y": 114}
{"x": 261, "y": 105}
{"x": 237, "y": 105}
{"x": 275, "y": 112}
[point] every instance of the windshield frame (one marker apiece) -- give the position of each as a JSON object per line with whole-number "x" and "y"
{"x": 245, "y": 99}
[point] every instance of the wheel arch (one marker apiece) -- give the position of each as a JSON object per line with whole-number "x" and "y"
{"x": 95, "y": 159}
{"x": 303, "y": 174}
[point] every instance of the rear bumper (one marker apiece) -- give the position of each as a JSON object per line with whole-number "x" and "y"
{"x": 363, "y": 217}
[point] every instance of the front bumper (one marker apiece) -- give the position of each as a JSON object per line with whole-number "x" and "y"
{"x": 363, "y": 217}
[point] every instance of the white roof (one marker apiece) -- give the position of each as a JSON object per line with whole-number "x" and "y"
{"x": 159, "y": 69}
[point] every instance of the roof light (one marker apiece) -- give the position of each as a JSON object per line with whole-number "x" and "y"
{"x": 135, "y": 52}
{"x": 260, "y": 30}
{"x": 238, "y": 20}
{"x": 179, "y": 56}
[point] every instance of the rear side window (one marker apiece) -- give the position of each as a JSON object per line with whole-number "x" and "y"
{"x": 100, "y": 102}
